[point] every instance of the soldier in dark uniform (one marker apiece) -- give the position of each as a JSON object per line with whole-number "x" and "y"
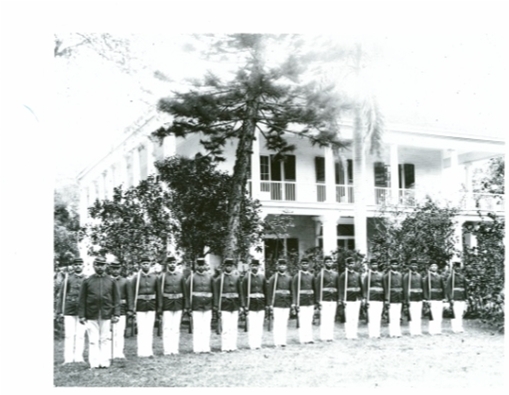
{"x": 434, "y": 294}
{"x": 67, "y": 308}
{"x": 254, "y": 289}
{"x": 374, "y": 297}
{"x": 146, "y": 296}
{"x": 393, "y": 289}
{"x": 280, "y": 301}
{"x": 326, "y": 298}
{"x": 126, "y": 299}
{"x": 171, "y": 284}
{"x": 413, "y": 293}
{"x": 304, "y": 301}
{"x": 227, "y": 302}
{"x": 350, "y": 295}
{"x": 199, "y": 301}
{"x": 457, "y": 295}
{"x": 99, "y": 308}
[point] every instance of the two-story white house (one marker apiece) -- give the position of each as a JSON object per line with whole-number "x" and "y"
{"x": 318, "y": 188}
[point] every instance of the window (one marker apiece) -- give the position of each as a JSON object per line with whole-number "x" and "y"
{"x": 381, "y": 175}
{"x": 278, "y": 248}
{"x": 320, "y": 169}
{"x": 264, "y": 168}
{"x": 406, "y": 176}
{"x": 342, "y": 177}
{"x": 345, "y": 236}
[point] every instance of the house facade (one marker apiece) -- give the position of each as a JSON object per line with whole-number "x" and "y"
{"x": 332, "y": 203}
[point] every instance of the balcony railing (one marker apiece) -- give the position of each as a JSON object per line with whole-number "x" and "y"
{"x": 279, "y": 190}
{"x": 344, "y": 193}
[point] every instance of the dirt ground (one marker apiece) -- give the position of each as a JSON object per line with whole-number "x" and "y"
{"x": 474, "y": 359}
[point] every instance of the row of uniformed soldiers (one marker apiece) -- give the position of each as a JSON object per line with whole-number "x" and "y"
{"x": 169, "y": 295}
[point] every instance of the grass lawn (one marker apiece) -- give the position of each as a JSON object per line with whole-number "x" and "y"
{"x": 472, "y": 359}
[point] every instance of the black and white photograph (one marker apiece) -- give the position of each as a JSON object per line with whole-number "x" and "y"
{"x": 312, "y": 198}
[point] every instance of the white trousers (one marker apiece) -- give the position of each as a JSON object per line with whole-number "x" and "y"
{"x": 415, "y": 324}
{"x": 375, "y": 318}
{"x": 255, "y": 328}
{"x": 395, "y": 319}
{"x": 281, "y": 316}
{"x": 327, "y": 319}
{"x": 459, "y": 309}
{"x": 145, "y": 321}
{"x": 306, "y": 324}
{"x": 435, "y": 325}
{"x": 230, "y": 322}
{"x": 201, "y": 330}
{"x": 352, "y": 310}
{"x": 171, "y": 331}
{"x": 99, "y": 341}
{"x": 74, "y": 342}
{"x": 118, "y": 337}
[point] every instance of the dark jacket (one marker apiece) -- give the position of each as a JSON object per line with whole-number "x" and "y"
{"x": 126, "y": 295}
{"x": 413, "y": 290}
{"x": 353, "y": 286}
{"x": 282, "y": 298}
{"x": 202, "y": 296}
{"x": 171, "y": 287}
{"x": 230, "y": 292}
{"x": 326, "y": 288}
{"x": 72, "y": 293}
{"x": 256, "y": 294}
{"x": 393, "y": 287}
{"x": 306, "y": 296}
{"x": 148, "y": 293}
{"x": 458, "y": 282}
{"x": 375, "y": 286}
{"x": 99, "y": 298}
{"x": 434, "y": 288}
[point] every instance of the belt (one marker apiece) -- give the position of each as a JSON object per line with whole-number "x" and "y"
{"x": 396, "y": 289}
{"x": 230, "y": 295}
{"x": 173, "y": 296}
{"x": 256, "y": 295}
{"x": 330, "y": 289}
{"x": 436, "y": 289}
{"x": 416, "y": 290}
{"x": 376, "y": 289}
{"x": 307, "y": 291}
{"x": 353, "y": 289}
{"x": 459, "y": 289}
{"x": 283, "y": 291}
{"x": 146, "y": 297}
{"x": 204, "y": 294}
{"x": 123, "y": 300}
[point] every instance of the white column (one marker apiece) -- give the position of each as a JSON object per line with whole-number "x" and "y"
{"x": 169, "y": 145}
{"x": 330, "y": 177}
{"x": 469, "y": 197}
{"x": 394, "y": 174}
{"x": 136, "y": 166}
{"x": 255, "y": 167}
{"x": 151, "y": 156}
{"x": 126, "y": 169}
{"x": 329, "y": 233}
{"x": 458, "y": 234}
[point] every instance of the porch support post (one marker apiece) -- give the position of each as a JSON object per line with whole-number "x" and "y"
{"x": 394, "y": 175}
{"x": 330, "y": 176}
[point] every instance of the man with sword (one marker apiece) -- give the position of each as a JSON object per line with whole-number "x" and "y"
{"x": 304, "y": 301}
{"x": 326, "y": 296}
{"x": 374, "y": 297}
{"x": 254, "y": 289}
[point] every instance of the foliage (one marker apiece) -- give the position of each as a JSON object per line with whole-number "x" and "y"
{"x": 133, "y": 223}
{"x": 491, "y": 179}
{"x": 264, "y": 96}
{"x": 426, "y": 233}
{"x": 484, "y": 270}
{"x": 65, "y": 229}
{"x": 198, "y": 197}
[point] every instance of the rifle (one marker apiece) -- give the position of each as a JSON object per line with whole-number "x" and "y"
{"x": 344, "y": 294}
{"x": 64, "y": 294}
{"x": 453, "y": 316}
{"x": 429, "y": 301}
{"x": 389, "y": 300}
{"x": 409, "y": 292}
{"x": 246, "y": 326}
{"x": 219, "y": 327}
{"x": 298, "y": 299}
{"x": 112, "y": 329}
{"x": 367, "y": 297}
{"x": 190, "y": 330}
{"x": 135, "y": 304}
{"x": 160, "y": 319}
{"x": 273, "y": 301}
{"x": 320, "y": 300}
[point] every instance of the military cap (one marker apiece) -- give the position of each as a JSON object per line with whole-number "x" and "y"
{"x": 373, "y": 260}
{"x": 144, "y": 258}
{"x": 229, "y": 261}
{"x": 304, "y": 260}
{"x": 170, "y": 258}
{"x": 281, "y": 261}
{"x": 77, "y": 261}
{"x": 327, "y": 257}
{"x": 393, "y": 260}
{"x": 99, "y": 261}
{"x": 255, "y": 262}
{"x": 413, "y": 261}
{"x": 115, "y": 263}
{"x": 349, "y": 260}
{"x": 200, "y": 261}
{"x": 456, "y": 264}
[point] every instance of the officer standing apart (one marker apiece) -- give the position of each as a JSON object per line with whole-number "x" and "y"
{"x": 280, "y": 301}
{"x": 171, "y": 284}
{"x": 67, "y": 308}
{"x": 434, "y": 294}
{"x": 199, "y": 301}
{"x": 350, "y": 295}
{"x": 457, "y": 295}
{"x": 99, "y": 308}
{"x": 393, "y": 286}
{"x": 145, "y": 291}
{"x": 227, "y": 302}
{"x": 254, "y": 289}
{"x": 126, "y": 299}
{"x": 304, "y": 301}
{"x": 374, "y": 297}
{"x": 326, "y": 298}
{"x": 413, "y": 292}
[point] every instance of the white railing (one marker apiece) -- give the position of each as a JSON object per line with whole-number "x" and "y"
{"x": 321, "y": 193}
{"x": 344, "y": 193}
{"x": 279, "y": 190}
